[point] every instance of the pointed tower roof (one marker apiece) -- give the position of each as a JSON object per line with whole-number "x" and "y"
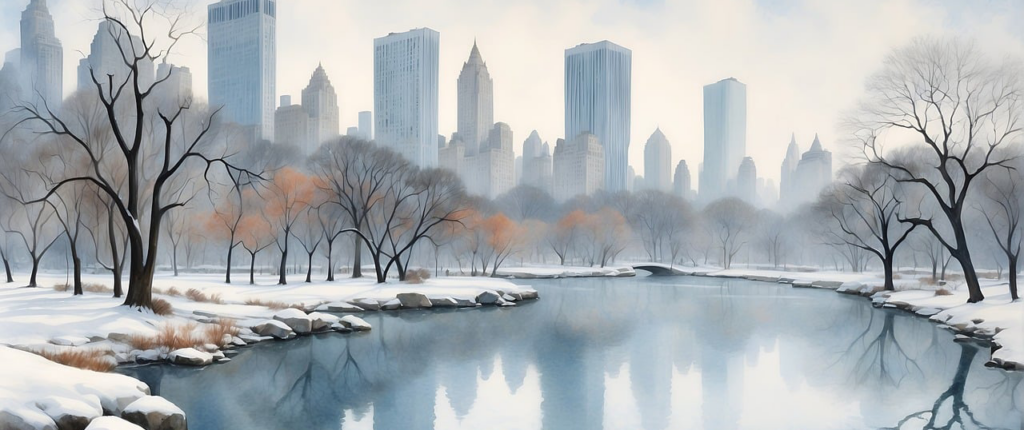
{"x": 658, "y": 136}
{"x": 793, "y": 151}
{"x": 474, "y": 55}
{"x": 816, "y": 146}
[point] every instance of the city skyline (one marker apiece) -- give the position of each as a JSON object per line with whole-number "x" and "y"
{"x": 771, "y": 40}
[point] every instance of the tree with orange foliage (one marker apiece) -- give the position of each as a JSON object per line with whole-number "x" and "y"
{"x": 254, "y": 236}
{"x": 504, "y": 238}
{"x": 291, "y": 192}
{"x": 608, "y": 235}
{"x": 566, "y": 233}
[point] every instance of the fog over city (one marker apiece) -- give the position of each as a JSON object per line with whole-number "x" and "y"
{"x": 805, "y": 62}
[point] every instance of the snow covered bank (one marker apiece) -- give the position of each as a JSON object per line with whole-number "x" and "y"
{"x": 552, "y": 272}
{"x": 997, "y": 320}
{"x": 36, "y": 393}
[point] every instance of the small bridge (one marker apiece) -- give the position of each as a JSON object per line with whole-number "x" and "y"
{"x": 658, "y": 269}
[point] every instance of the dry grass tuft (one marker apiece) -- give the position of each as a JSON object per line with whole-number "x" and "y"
{"x": 97, "y": 360}
{"x": 215, "y": 332}
{"x": 162, "y": 307}
{"x": 943, "y": 292}
{"x": 272, "y": 304}
{"x": 178, "y": 336}
{"x": 97, "y": 288}
{"x": 417, "y": 276}
{"x": 62, "y": 288}
{"x": 199, "y": 296}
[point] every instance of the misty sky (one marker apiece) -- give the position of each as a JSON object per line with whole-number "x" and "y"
{"x": 804, "y": 61}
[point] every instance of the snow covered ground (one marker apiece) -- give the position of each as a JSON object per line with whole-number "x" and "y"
{"x": 996, "y": 319}
{"x": 554, "y": 271}
{"x": 38, "y": 391}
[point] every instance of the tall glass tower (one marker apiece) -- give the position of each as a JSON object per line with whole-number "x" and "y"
{"x": 243, "y": 62}
{"x": 405, "y": 69}
{"x": 598, "y": 100}
{"x": 725, "y": 136}
{"x": 42, "y": 58}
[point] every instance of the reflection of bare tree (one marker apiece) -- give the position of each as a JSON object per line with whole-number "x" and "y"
{"x": 960, "y": 415}
{"x": 879, "y": 355}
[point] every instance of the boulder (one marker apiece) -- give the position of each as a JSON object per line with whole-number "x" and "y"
{"x": 148, "y": 356}
{"x": 529, "y": 295}
{"x": 155, "y": 413}
{"x": 466, "y": 303}
{"x": 120, "y": 337}
{"x": 190, "y": 357}
{"x": 355, "y": 323}
{"x": 341, "y": 327}
{"x": 25, "y": 418}
{"x": 111, "y": 423}
{"x": 414, "y": 300}
{"x": 391, "y": 305}
{"x": 70, "y": 413}
{"x": 273, "y": 328}
{"x": 340, "y": 307}
{"x": 367, "y": 304}
{"x": 508, "y": 297}
{"x": 296, "y": 319}
{"x": 488, "y": 298}
{"x": 237, "y": 341}
{"x": 445, "y": 302}
{"x": 254, "y": 338}
{"x": 322, "y": 322}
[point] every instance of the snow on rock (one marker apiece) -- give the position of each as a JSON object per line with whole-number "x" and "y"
{"x": 111, "y": 423}
{"x": 355, "y": 323}
{"x": 190, "y": 357}
{"x": 155, "y": 413}
{"x": 391, "y": 305}
{"x": 322, "y": 321}
{"x": 273, "y": 328}
{"x": 71, "y": 413}
{"x": 367, "y": 304}
{"x": 343, "y": 307}
{"x": 488, "y": 298}
{"x": 444, "y": 302}
{"x": 550, "y": 272}
{"x": 299, "y": 322}
{"x": 69, "y": 340}
{"x": 34, "y": 390}
{"x": 414, "y": 300}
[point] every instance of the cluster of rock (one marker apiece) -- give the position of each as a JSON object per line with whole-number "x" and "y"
{"x": 604, "y": 272}
{"x": 422, "y": 301}
{"x": 143, "y": 413}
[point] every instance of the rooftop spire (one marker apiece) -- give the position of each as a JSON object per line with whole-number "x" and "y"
{"x": 474, "y": 55}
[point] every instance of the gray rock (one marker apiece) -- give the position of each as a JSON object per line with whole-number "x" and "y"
{"x": 355, "y": 323}
{"x": 25, "y": 419}
{"x": 488, "y": 298}
{"x": 120, "y": 337}
{"x": 322, "y": 322}
{"x": 274, "y": 328}
{"x": 446, "y": 302}
{"x": 69, "y": 413}
{"x": 529, "y": 295}
{"x": 253, "y": 338}
{"x": 466, "y": 303}
{"x": 237, "y": 341}
{"x": 391, "y": 305}
{"x": 155, "y": 413}
{"x": 414, "y": 300}
{"x": 508, "y": 298}
{"x": 367, "y": 304}
{"x": 148, "y": 356}
{"x": 190, "y": 357}
{"x": 111, "y": 423}
{"x": 298, "y": 320}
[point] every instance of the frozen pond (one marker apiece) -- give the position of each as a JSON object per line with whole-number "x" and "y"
{"x": 633, "y": 353}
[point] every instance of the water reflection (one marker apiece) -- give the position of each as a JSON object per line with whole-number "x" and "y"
{"x": 613, "y": 354}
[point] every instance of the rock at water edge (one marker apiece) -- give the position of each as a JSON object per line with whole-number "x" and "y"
{"x": 296, "y": 319}
{"x": 414, "y": 300}
{"x": 155, "y": 413}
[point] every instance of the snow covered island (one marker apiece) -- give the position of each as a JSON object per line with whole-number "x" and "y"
{"x": 204, "y": 322}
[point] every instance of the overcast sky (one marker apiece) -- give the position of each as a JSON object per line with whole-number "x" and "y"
{"x": 804, "y": 61}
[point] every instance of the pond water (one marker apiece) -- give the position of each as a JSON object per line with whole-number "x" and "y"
{"x": 635, "y": 353}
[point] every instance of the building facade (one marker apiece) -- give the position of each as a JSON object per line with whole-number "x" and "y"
{"x": 405, "y": 79}
{"x": 177, "y": 81}
{"x": 493, "y": 167}
{"x": 366, "y": 125}
{"x": 658, "y": 162}
{"x": 746, "y": 181}
{"x": 242, "y": 58}
{"x": 681, "y": 184}
{"x": 725, "y": 136}
{"x": 578, "y": 167}
{"x": 106, "y": 57}
{"x": 598, "y": 100}
{"x": 320, "y": 102}
{"x": 536, "y": 163}
{"x": 476, "y": 102}
{"x": 291, "y": 124}
{"x": 788, "y": 188}
{"x": 41, "y": 66}
{"x": 813, "y": 173}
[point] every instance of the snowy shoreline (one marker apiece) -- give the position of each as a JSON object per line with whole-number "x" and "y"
{"x": 557, "y": 272}
{"x": 997, "y": 321}
{"x": 46, "y": 320}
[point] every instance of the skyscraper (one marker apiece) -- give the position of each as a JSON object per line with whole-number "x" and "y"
{"x": 788, "y": 186}
{"x": 494, "y": 165}
{"x": 681, "y": 182}
{"x": 598, "y": 100}
{"x": 725, "y": 135}
{"x": 242, "y": 54}
{"x": 320, "y": 102}
{"x": 476, "y": 102}
{"x": 746, "y": 181}
{"x": 42, "y": 57}
{"x": 107, "y": 51}
{"x": 658, "y": 162}
{"x": 536, "y": 163}
{"x": 366, "y": 125}
{"x": 291, "y": 125}
{"x": 405, "y": 69}
{"x": 578, "y": 167}
{"x": 178, "y": 81}
{"x": 813, "y": 173}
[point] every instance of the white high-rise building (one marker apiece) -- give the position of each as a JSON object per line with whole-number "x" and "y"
{"x": 320, "y": 102}
{"x": 536, "y": 163}
{"x": 242, "y": 54}
{"x": 107, "y": 51}
{"x": 746, "y": 181}
{"x": 366, "y": 125}
{"x": 658, "y": 162}
{"x": 578, "y": 167}
{"x": 178, "y": 81}
{"x": 725, "y": 136}
{"x": 493, "y": 168}
{"x": 42, "y": 58}
{"x": 405, "y": 78}
{"x": 291, "y": 125}
{"x": 476, "y": 102}
{"x": 681, "y": 182}
{"x": 788, "y": 187}
{"x": 813, "y": 173}
{"x": 598, "y": 100}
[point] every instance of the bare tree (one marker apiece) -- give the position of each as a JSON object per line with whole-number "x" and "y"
{"x": 728, "y": 221}
{"x": 1003, "y": 217}
{"x": 153, "y": 147}
{"x": 960, "y": 108}
{"x": 291, "y": 193}
{"x": 865, "y": 208}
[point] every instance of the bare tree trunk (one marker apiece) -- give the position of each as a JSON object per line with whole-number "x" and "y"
{"x": 330, "y": 260}
{"x": 252, "y": 269}
{"x": 7, "y": 267}
{"x": 357, "y": 258}
{"x": 77, "y": 267}
{"x": 309, "y": 269}
{"x": 1013, "y": 277}
{"x": 231, "y": 248}
{"x": 887, "y": 263}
